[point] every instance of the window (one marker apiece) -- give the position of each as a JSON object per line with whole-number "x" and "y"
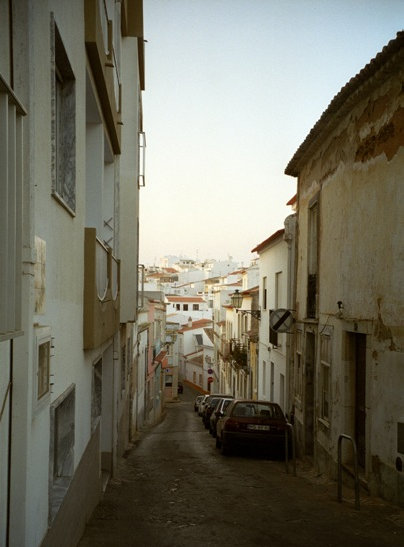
{"x": 312, "y": 252}
{"x": 185, "y": 307}
{"x": 96, "y": 395}
{"x": 43, "y": 346}
{"x": 63, "y": 131}
{"x": 195, "y": 307}
{"x": 178, "y": 307}
{"x": 264, "y": 293}
{"x": 298, "y": 365}
{"x": 61, "y": 469}
{"x": 325, "y": 365}
{"x": 278, "y": 290}
{"x": 43, "y": 368}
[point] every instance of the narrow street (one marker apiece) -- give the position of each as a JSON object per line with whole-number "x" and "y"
{"x": 176, "y": 490}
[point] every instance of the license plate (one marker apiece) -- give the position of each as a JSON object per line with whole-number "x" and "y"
{"x": 258, "y": 427}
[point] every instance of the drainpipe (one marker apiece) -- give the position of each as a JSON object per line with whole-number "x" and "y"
{"x": 10, "y": 430}
{"x": 10, "y": 41}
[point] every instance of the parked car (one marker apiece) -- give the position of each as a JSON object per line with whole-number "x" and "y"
{"x": 251, "y": 424}
{"x": 218, "y": 411}
{"x": 201, "y": 405}
{"x": 210, "y": 406}
{"x": 198, "y": 399}
{"x": 180, "y": 388}
{"x": 207, "y": 402}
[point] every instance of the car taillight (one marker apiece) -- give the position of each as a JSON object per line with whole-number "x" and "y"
{"x": 231, "y": 425}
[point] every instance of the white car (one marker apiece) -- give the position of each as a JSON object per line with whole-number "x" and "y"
{"x": 202, "y": 404}
{"x": 198, "y": 399}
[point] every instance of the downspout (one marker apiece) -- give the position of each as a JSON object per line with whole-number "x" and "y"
{"x": 10, "y": 400}
{"x": 10, "y": 431}
{"x": 10, "y": 39}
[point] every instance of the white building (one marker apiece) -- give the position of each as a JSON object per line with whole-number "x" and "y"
{"x": 196, "y": 352}
{"x": 69, "y": 184}
{"x": 273, "y": 267}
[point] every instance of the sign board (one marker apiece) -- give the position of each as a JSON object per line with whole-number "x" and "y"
{"x": 210, "y": 380}
{"x": 210, "y": 371}
{"x": 281, "y": 320}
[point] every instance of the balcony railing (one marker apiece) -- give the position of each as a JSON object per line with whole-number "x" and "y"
{"x": 11, "y": 210}
{"x": 101, "y": 291}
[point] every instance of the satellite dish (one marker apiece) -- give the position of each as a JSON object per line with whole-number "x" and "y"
{"x": 281, "y": 320}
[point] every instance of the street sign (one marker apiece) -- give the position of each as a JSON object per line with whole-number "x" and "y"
{"x": 210, "y": 371}
{"x": 210, "y": 380}
{"x": 281, "y": 320}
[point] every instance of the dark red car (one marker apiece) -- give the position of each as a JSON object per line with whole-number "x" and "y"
{"x": 251, "y": 424}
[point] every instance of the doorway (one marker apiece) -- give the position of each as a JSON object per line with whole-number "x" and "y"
{"x": 360, "y": 396}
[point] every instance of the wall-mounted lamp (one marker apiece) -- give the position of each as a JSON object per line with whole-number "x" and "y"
{"x": 236, "y": 302}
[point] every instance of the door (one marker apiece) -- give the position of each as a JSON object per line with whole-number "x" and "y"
{"x": 360, "y": 397}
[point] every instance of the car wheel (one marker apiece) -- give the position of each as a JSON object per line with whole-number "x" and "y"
{"x": 224, "y": 448}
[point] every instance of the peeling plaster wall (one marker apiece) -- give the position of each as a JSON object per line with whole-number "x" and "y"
{"x": 357, "y": 171}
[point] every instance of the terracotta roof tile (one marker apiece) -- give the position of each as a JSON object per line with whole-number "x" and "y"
{"x": 270, "y": 239}
{"x": 344, "y": 100}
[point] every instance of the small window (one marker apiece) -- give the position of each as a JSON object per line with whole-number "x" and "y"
{"x": 42, "y": 349}
{"x": 195, "y": 307}
{"x": 43, "y": 368}
{"x": 185, "y": 307}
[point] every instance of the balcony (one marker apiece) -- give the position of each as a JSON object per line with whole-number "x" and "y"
{"x": 101, "y": 291}
{"x": 102, "y": 53}
{"x": 238, "y": 354}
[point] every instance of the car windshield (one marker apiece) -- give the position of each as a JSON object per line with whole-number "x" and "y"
{"x": 249, "y": 409}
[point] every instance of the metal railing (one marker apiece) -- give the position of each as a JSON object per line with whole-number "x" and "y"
{"x": 290, "y": 429}
{"x": 356, "y": 474}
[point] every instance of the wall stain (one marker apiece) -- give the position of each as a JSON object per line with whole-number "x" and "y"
{"x": 388, "y": 139}
{"x": 382, "y": 332}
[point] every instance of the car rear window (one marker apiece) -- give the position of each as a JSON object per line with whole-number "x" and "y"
{"x": 257, "y": 409}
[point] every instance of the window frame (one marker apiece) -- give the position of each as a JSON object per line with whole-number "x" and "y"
{"x": 325, "y": 376}
{"x": 63, "y": 113}
{"x": 42, "y": 336}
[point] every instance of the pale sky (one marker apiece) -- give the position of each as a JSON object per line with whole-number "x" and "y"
{"x": 233, "y": 87}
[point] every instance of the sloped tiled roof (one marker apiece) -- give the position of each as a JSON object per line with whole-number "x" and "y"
{"x": 199, "y": 324}
{"x": 185, "y": 298}
{"x": 268, "y": 241}
{"x": 343, "y": 101}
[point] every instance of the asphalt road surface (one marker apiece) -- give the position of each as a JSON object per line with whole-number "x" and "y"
{"x": 175, "y": 489}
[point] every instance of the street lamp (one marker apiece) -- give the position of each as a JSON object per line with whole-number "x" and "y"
{"x": 236, "y": 302}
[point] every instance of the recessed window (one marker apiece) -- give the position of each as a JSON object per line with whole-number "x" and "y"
{"x": 325, "y": 360}
{"x": 185, "y": 307}
{"x": 63, "y": 135}
{"x": 43, "y": 368}
{"x": 195, "y": 307}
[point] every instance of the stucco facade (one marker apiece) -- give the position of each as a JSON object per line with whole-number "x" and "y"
{"x": 273, "y": 267}
{"x": 76, "y": 69}
{"x": 349, "y": 342}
